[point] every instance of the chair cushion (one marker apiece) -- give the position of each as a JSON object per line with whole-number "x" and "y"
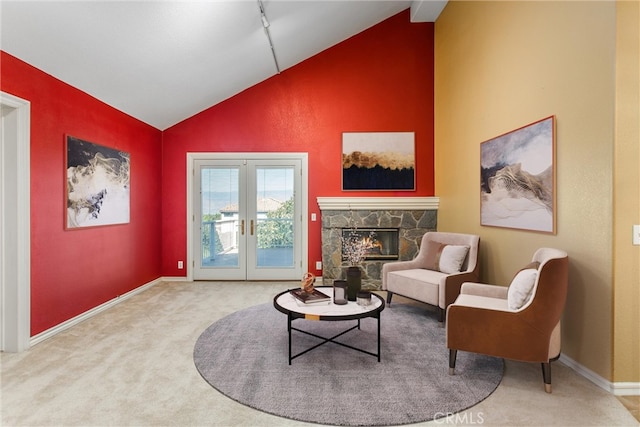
{"x": 419, "y": 284}
{"x": 521, "y": 288}
{"x": 532, "y": 264}
{"x": 434, "y": 251}
{"x": 445, "y": 258}
{"x": 452, "y": 257}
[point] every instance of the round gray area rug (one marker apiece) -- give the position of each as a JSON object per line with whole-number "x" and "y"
{"x": 245, "y": 357}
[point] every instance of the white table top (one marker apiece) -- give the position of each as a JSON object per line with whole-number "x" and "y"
{"x": 289, "y": 302}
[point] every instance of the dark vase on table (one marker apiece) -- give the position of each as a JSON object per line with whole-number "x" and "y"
{"x": 354, "y": 282}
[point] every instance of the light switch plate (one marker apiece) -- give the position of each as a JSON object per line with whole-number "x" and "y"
{"x": 636, "y": 234}
{"x": 318, "y": 265}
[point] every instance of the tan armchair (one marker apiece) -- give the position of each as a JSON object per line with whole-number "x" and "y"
{"x": 486, "y": 319}
{"x": 436, "y": 274}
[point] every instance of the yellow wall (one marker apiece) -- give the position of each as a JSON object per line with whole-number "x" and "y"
{"x": 626, "y": 194}
{"x": 500, "y": 66}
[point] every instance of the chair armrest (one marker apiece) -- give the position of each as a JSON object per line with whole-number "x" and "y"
{"x": 484, "y": 290}
{"x": 450, "y": 287}
{"x": 396, "y": 266}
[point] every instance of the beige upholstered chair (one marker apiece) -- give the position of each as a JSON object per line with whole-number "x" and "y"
{"x": 521, "y": 322}
{"x": 434, "y": 276}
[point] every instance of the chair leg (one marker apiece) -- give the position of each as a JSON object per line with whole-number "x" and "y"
{"x": 546, "y": 376}
{"x": 389, "y": 295}
{"x": 441, "y": 316}
{"x": 452, "y": 361}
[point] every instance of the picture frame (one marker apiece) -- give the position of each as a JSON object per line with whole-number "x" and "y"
{"x": 517, "y": 178}
{"x": 375, "y": 161}
{"x": 97, "y": 184}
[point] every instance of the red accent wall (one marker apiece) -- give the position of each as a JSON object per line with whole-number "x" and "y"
{"x": 380, "y": 80}
{"x": 75, "y": 271}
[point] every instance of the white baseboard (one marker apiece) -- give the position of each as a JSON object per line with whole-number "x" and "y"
{"x": 173, "y": 279}
{"x": 626, "y": 389}
{"x": 90, "y": 313}
{"x": 617, "y": 389}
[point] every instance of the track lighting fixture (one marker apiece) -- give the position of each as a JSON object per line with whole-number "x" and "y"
{"x": 265, "y": 24}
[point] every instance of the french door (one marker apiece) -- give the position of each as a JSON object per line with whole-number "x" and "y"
{"x": 247, "y": 221}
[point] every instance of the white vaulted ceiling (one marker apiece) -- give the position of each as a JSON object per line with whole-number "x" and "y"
{"x": 164, "y": 61}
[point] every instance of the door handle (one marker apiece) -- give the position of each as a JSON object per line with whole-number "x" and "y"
{"x": 242, "y": 227}
{"x": 252, "y": 227}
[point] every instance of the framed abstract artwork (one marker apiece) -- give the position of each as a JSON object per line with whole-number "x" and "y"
{"x": 517, "y": 178}
{"x": 378, "y": 161}
{"x": 97, "y": 184}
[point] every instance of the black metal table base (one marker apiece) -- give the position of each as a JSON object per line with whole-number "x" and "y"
{"x": 331, "y": 339}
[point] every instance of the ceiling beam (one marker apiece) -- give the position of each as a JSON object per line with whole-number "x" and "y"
{"x": 426, "y": 10}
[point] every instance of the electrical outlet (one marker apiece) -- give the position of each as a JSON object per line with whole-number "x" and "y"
{"x": 180, "y": 265}
{"x": 313, "y": 216}
{"x": 318, "y": 265}
{"x": 636, "y": 235}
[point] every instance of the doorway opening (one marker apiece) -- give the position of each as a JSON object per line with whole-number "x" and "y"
{"x": 15, "y": 224}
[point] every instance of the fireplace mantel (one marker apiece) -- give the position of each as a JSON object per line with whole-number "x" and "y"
{"x": 378, "y": 203}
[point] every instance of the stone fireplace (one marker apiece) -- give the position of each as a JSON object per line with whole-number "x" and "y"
{"x": 409, "y": 218}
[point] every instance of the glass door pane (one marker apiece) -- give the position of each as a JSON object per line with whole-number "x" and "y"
{"x": 274, "y": 217}
{"x": 220, "y": 217}
{"x": 219, "y": 221}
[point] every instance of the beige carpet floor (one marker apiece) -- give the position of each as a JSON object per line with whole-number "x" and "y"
{"x": 132, "y": 365}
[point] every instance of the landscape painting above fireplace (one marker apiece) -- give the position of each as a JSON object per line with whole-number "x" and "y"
{"x": 378, "y": 161}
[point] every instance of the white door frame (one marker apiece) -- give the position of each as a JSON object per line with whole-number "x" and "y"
{"x": 15, "y": 224}
{"x": 304, "y": 205}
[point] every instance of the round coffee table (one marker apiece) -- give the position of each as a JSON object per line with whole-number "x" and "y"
{"x": 295, "y": 309}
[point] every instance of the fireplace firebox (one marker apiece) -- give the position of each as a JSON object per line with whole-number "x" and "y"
{"x": 383, "y": 241}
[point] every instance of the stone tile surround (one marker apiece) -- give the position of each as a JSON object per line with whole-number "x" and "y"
{"x": 413, "y": 216}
